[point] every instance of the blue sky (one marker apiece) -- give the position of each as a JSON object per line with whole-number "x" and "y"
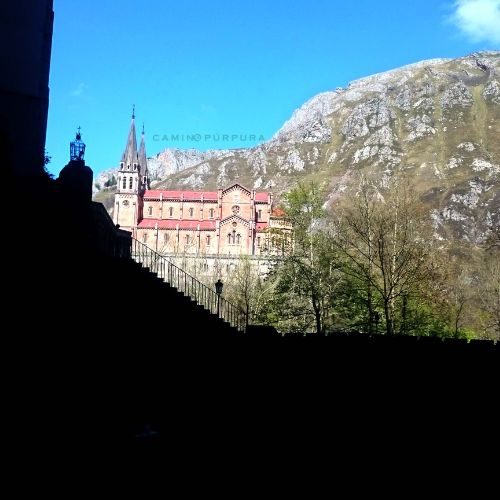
{"x": 224, "y": 67}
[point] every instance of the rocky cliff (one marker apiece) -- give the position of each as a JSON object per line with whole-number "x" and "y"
{"x": 438, "y": 121}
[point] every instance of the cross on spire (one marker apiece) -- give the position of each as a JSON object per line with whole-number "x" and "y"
{"x": 133, "y": 111}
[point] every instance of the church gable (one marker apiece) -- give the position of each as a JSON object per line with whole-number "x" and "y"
{"x": 234, "y": 219}
{"x": 235, "y": 191}
{"x": 236, "y": 188}
{"x": 237, "y": 200}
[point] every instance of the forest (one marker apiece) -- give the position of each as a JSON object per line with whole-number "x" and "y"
{"x": 372, "y": 264}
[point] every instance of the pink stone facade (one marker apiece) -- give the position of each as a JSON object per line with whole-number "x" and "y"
{"x": 232, "y": 221}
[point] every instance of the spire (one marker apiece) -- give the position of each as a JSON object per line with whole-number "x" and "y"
{"x": 143, "y": 162}
{"x": 142, "y": 150}
{"x": 130, "y": 154}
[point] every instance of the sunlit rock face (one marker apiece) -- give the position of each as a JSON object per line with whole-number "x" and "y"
{"x": 437, "y": 121}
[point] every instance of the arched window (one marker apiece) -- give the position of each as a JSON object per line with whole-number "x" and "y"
{"x": 131, "y": 182}
{"x": 191, "y": 212}
{"x": 238, "y": 239}
{"x": 150, "y": 210}
{"x": 165, "y": 237}
{"x": 128, "y": 167}
{"x": 135, "y": 166}
{"x": 171, "y": 211}
{"x": 258, "y": 241}
{"x": 145, "y": 237}
{"x": 211, "y": 213}
{"x": 259, "y": 215}
{"x": 208, "y": 240}
{"x": 187, "y": 239}
{"x": 124, "y": 182}
{"x": 232, "y": 238}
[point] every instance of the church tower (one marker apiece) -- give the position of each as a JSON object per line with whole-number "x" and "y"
{"x": 143, "y": 162}
{"x": 133, "y": 180}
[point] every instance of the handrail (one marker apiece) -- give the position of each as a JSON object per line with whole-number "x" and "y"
{"x": 188, "y": 285}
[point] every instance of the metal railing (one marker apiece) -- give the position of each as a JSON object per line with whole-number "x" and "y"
{"x": 188, "y": 285}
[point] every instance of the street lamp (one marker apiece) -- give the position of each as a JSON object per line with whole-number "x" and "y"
{"x": 218, "y": 290}
{"x": 77, "y": 148}
{"x": 376, "y": 317}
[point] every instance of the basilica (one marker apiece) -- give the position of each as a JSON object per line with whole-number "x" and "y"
{"x": 231, "y": 221}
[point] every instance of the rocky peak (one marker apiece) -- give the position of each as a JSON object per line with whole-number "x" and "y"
{"x": 437, "y": 121}
{"x": 307, "y": 122}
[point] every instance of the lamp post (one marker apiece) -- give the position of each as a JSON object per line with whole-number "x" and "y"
{"x": 376, "y": 317}
{"x": 77, "y": 148}
{"x": 218, "y": 290}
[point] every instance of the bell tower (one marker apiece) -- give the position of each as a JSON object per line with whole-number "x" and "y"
{"x": 133, "y": 180}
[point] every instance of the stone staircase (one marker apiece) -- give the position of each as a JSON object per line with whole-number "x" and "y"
{"x": 206, "y": 301}
{"x": 170, "y": 307}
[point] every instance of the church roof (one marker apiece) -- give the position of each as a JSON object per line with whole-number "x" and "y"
{"x": 172, "y": 224}
{"x": 278, "y": 212}
{"x": 176, "y": 195}
{"x": 154, "y": 194}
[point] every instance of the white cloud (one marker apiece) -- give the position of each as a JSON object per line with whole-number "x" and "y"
{"x": 80, "y": 89}
{"x": 479, "y": 20}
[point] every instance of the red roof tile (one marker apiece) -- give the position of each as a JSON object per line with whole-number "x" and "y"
{"x": 261, "y": 226}
{"x": 176, "y": 195}
{"x": 278, "y": 212}
{"x": 261, "y": 197}
{"x": 172, "y": 224}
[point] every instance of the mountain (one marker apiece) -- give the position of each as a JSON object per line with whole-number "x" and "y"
{"x": 438, "y": 121}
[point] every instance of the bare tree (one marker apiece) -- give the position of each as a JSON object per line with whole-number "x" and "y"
{"x": 489, "y": 297}
{"x": 386, "y": 243}
{"x": 246, "y": 288}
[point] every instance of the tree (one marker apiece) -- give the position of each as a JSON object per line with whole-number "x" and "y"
{"x": 46, "y": 160}
{"x": 386, "y": 246}
{"x": 354, "y": 237}
{"x": 307, "y": 275}
{"x": 488, "y": 283}
{"x": 245, "y": 288}
{"x": 457, "y": 293}
{"x": 110, "y": 182}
